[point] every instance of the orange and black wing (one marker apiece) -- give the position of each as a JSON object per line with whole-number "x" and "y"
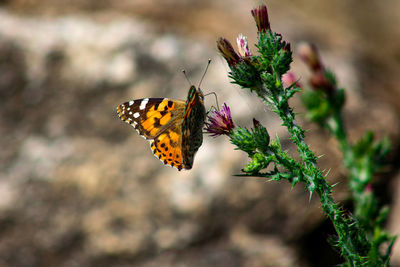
{"x": 158, "y": 120}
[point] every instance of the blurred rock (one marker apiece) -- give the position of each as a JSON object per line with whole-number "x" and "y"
{"x": 80, "y": 185}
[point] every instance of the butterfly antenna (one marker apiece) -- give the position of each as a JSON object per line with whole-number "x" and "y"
{"x": 187, "y": 78}
{"x": 205, "y": 71}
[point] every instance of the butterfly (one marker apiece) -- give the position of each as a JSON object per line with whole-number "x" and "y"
{"x": 174, "y": 128}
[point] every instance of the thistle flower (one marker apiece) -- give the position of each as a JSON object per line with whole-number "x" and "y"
{"x": 260, "y": 15}
{"x": 243, "y": 46}
{"x": 319, "y": 81}
{"x": 220, "y": 122}
{"x": 309, "y": 54}
{"x": 227, "y": 51}
{"x": 290, "y": 78}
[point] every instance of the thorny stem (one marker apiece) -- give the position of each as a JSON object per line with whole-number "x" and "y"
{"x": 315, "y": 180}
{"x": 262, "y": 74}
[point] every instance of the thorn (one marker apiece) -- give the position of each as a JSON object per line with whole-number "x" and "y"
{"x": 335, "y": 184}
{"x": 327, "y": 172}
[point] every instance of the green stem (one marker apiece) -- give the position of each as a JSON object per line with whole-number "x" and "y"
{"x": 352, "y": 239}
{"x": 336, "y": 127}
{"x": 357, "y": 188}
{"x": 366, "y": 209}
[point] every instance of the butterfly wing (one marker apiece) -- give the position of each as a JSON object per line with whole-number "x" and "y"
{"x": 192, "y": 126}
{"x": 151, "y": 116}
{"x": 159, "y": 121}
{"x": 167, "y": 147}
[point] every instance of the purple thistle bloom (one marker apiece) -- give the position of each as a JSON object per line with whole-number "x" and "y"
{"x": 243, "y": 46}
{"x": 260, "y": 15}
{"x": 220, "y": 122}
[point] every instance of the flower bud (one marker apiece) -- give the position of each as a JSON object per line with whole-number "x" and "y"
{"x": 309, "y": 54}
{"x": 319, "y": 81}
{"x": 227, "y": 51}
{"x": 289, "y": 78}
{"x": 260, "y": 15}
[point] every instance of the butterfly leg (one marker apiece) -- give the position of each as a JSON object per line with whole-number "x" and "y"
{"x": 216, "y": 99}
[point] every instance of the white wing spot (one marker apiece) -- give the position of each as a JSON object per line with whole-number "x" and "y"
{"x": 128, "y": 109}
{"x": 131, "y": 102}
{"x": 143, "y": 104}
{"x": 136, "y": 115}
{"x": 130, "y": 112}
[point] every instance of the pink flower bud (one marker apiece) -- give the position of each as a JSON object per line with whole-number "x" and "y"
{"x": 319, "y": 81}
{"x": 309, "y": 54}
{"x": 289, "y": 78}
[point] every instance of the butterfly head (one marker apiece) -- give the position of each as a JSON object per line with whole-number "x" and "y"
{"x": 195, "y": 93}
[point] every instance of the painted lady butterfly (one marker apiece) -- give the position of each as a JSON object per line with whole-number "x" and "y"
{"x": 173, "y": 127}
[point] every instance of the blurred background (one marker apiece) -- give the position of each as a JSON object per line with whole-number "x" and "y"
{"x": 78, "y": 187}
